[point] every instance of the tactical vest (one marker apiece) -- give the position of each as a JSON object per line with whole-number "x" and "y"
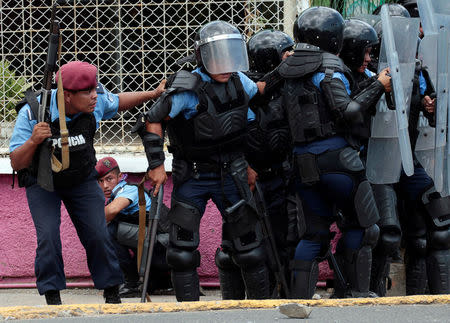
{"x": 268, "y": 138}
{"x": 81, "y": 152}
{"x": 309, "y": 116}
{"x": 218, "y": 127}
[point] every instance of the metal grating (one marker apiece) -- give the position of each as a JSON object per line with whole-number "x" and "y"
{"x": 134, "y": 44}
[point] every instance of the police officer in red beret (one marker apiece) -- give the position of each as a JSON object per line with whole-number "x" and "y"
{"x": 122, "y": 217}
{"x": 86, "y": 103}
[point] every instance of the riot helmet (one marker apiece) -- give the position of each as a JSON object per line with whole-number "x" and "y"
{"x": 266, "y": 48}
{"x": 395, "y": 10}
{"x": 220, "y": 48}
{"x": 411, "y": 6}
{"x": 358, "y": 36}
{"x": 322, "y": 27}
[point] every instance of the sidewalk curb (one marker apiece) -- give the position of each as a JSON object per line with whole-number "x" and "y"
{"x": 41, "y": 312}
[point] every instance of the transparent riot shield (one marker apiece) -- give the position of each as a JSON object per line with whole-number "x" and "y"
{"x": 370, "y": 19}
{"x": 389, "y": 146}
{"x": 434, "y": 54}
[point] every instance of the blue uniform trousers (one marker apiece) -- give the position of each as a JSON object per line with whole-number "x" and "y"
{"x": 85, "y": 205}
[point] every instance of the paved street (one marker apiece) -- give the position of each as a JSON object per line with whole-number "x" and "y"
{"x": 356, "y": 314}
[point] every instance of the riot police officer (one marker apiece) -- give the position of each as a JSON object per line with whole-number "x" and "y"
{"x": 268, "y": 145}
{"x": 423, "y": 212}
{"x": 206, "y": 114}
{"x": 359, "y": 39}
{"x": 320, "y": 110}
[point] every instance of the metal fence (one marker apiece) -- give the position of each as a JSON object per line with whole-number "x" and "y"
{"x": 134, "y": 44}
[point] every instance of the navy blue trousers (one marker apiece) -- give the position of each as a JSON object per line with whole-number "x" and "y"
{"x": 197, "y": 191}
{"x": 85, "y": 205}
{"x": 335, "y": 190}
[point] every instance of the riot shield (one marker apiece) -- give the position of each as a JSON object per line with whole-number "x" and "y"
{"x": 434, "y": 54}
{"x": 370, "y": 19}
{"x": 389, "y": 146}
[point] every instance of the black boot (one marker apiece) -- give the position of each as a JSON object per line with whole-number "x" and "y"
{"x": 416, "y": 274}
{"x": 53, "y": 297}
{"x": 186, "y": 285}
{"x": 304, "y": 280}
{"x": 130, "y": 289}
{"x": 256, "y": 281}
{"x": 379, "y": 275}
{"x": 438, "y": 270}
{"x": 356, "y": 267}
{"x": 111, "y": 295}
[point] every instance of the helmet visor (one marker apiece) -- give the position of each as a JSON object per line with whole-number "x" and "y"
{"x": 224, "y": 53}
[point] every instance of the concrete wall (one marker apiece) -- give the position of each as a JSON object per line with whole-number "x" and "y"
{"x": 18, "y": 237}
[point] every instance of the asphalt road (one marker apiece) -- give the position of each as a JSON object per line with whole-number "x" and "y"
{"x": 357, "y": 314}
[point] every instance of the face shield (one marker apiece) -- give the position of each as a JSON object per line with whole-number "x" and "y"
{"x": 226, "y": 53}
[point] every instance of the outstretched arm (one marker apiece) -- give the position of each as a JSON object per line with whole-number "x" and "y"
{"x": 128, "y": 100}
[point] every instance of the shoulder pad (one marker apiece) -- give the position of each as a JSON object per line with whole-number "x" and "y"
{"x": 305, "y": 60}
{"x": 29, "y": 98}
{"x": 100, "y": 89}
{"x": 332, "y": 62}
{"x": 183, "y": 81}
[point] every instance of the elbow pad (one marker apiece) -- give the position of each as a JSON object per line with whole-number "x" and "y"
{"x": 153, "y": 145}
{"x": 336, "y": 96}
{"x": 369, "y": 96}
{"x": 160, "y": 109}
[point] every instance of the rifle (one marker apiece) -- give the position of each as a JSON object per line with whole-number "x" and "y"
{"x": 47, "y": 162}
{"x": 146, "y": 244}
{"x": 44, "y": 173}
{"x": 267, "y": 231}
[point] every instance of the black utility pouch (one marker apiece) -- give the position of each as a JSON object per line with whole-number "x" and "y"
{"x": 307, "y": 168}
{"x": 181, "y": 171}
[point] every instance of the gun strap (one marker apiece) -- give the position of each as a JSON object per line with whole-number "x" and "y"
{"x": 142, "y": 220}
{"x": 58, "y": 166}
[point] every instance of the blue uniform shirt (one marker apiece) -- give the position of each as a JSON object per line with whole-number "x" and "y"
{"x": 336, "y": 142}
{"x": 130, "y": 192}
{"x": 187, "y": 101}
{"x": 422, "y": 84}
{"x": 369, "y": 73}
{"x": 106, "y": 108}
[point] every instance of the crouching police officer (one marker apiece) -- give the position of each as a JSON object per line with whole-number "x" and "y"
{"x": 206, "y": 114}
{"x": 320, "y": 113}
{"x": 86, "y": 103}
{"x": 122, "y": 217}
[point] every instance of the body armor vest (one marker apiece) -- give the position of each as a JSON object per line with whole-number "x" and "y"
{"x": 81, "y": 149}
{"x": 218, "y": 127}
{"x": 268, "y": 138}
{"x": 309, "y": 116}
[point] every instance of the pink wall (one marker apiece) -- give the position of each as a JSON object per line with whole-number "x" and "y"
{"x": 18, "y": 237}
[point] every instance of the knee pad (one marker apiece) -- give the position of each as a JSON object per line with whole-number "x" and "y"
{"x": 243, "y": 228}
{"x": 437, "y": 207}
{"x": 182, "y": 260}
{"x": 386, "y": 200}
{"x": 439, "y": 239}
{"x": 223, "y": 260}
{"x": 184, "y": 225}
{"x": 251, "y": 258}
{"x": 371, "y": 235}
{"x": 365, "y": 205}
{"x": 418, "y": 246}
{"x": 389, "y": 242}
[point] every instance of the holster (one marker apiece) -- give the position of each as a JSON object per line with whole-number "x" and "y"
{"x": 307, "y": 168}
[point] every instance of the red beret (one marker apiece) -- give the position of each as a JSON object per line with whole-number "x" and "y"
{"x": 78, "y": 75}
{"x": 105, "y": 165}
